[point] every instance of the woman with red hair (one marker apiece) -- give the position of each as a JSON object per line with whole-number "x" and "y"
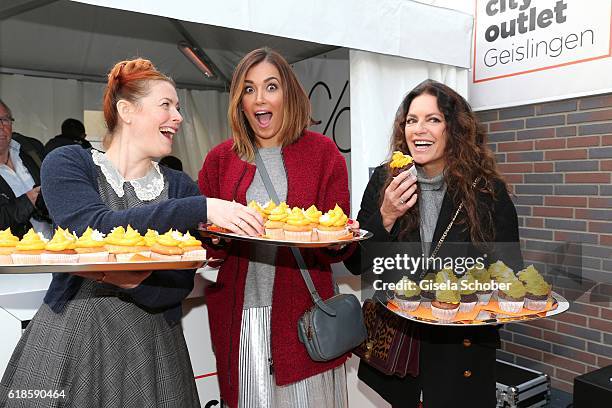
{"x": 114, "y": 339}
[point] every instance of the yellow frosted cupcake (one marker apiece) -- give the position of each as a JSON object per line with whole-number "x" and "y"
{"x": 255, "y": 205}
{"x": 446, "y": 304}
{"x": 125, "y": 243}
{"x": 276, "y": 221}
{"x": 332, "y": 225}
{"x": 7, "y": 246}
{"x": 167, "y": 247}
{"x": 61, "y": 248}
{"x": 91, "y": 248}
{"x": 512, "y": 298}
{"x": 150, "y": 238}
{"x": 482, "y": 276}
{"x": 297, "y": 227}
{"x": 192, "y": 248}
{"x": 312, "y": 214}
{"x": 29, "y": 249}
{"x": 268, "y": 207}
{"x": 399, "y": 162}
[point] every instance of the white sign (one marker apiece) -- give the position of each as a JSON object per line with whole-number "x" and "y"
{"x": 520, "y": 43}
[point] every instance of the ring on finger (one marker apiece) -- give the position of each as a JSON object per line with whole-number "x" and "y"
{"x": 402, "y": 202}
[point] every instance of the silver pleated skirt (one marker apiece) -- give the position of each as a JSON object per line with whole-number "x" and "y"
{"x": 257, "y": 387}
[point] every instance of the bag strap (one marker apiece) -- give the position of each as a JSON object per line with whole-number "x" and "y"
{"x": 316, "y": 298}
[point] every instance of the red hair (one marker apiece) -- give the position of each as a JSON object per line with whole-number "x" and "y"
{"x": 128, "y": 80}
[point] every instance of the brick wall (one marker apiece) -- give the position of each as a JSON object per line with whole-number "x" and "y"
{"x": 557, "y": 159}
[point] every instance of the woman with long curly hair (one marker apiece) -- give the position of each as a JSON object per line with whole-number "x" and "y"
{"x": 455, "y": 170}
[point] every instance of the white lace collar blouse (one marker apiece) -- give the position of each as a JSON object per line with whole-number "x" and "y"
{"x": 147, "y": 188}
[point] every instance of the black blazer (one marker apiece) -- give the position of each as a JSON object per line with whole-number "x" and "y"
{"x": 15, "y": 212}
{"x": 457, "y": 365}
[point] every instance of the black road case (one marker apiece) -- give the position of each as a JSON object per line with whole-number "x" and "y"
{"x": 521, "y": 387}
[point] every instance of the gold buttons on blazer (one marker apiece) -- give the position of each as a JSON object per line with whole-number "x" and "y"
{"x": 467, "y": 373}
{"x": 467, "y": 342}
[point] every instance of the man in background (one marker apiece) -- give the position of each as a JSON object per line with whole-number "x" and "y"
{"x": 73, "y": 132}
{"x": 21, "y": 203}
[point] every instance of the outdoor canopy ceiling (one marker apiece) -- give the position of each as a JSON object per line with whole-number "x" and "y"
{"x": 65, "y": 39}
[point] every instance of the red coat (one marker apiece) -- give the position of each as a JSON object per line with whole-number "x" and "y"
{"x": 316, "y": 174}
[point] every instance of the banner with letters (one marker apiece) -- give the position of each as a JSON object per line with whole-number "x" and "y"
{"x": 527, "y": 51}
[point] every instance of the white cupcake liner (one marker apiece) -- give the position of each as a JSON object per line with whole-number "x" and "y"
{"x": 275, "y": 233}
{"x": 466, "y": 307}
{"x": 197, "y": 254}
{"x": 126, "y": 257}
{"x": 164, "y": 257}
{"x": 426, "y": 303}
{"x": 484, "y": 298}
{"x": 444, "y": 315}
{"x": 535, "y": 305}
{"x": 301, "y": 236}
{"x": 59, "y": 258}
{"x": 6, "y": 259}
{"x": 407, "y": 305}
{"x": 25, "y": 259}
{"x": 315, "y": 235}
{"x": 331, "y": 235}
{"x": 93, "y": 257}
{"x": 510, "y": 306}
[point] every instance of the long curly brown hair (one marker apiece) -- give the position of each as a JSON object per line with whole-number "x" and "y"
{"x": 467, "y": 159}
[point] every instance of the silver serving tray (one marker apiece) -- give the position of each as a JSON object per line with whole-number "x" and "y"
{"x": 485, "y": 318}
{"x": 363, "y": 235}
{"x": 103, "y": 267}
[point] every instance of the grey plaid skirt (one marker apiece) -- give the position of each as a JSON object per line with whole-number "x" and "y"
{"x": 100, "y": 351}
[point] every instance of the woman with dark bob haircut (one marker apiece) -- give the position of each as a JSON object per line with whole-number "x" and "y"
{"x": 454, "y": 168}
{"x": 260, "y": 294}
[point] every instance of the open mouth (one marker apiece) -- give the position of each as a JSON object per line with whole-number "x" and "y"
{"x": 263, "y": 118}
{"x": 422, "y": 145}
{"x": 167, "y": 132}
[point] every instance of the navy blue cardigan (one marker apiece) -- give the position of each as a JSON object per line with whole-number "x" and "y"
{"x": 70, "y": 187}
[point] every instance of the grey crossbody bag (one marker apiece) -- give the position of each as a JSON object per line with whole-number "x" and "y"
{"x": 332, "y": 327}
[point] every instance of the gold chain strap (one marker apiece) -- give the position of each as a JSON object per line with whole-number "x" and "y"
{"x": 443, "y": 237}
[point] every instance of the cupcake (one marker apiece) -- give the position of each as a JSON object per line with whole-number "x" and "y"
{"x": 150, "y": 238}
{"x": 428, "y": 294}
{"x": 192, "y": 248}
{"x": 91, "y": 247}
{"x": 255, "y": 205}
{"x": 332, "y": 225}
{"x": 446, "y": 304}
{"x": 467, "y": 293}
{"x": 297, "y": 227}
{"x": 482, "y": 278}
{"x": 167, "y": 247}
{"x": 268, "y": 207}
{"x": 61, "y": 248}
{"x": 29, "y": 249}
{"x": 276, "y": 221}
{"x": 407, "y": 294}
{"x": 399, "y": 162}
{"x": 528, "y": 273}
{"x": 124, "y": 243}
{"x": 313, "y": 214}
{"x": 7, "y": 246}
{"x": 537, "y": 290}
{"x": 448, "y": 278}
{"x": 500, "y": 272}
{"x": 511, "y": 298}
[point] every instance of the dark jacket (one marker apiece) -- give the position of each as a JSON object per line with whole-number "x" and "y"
{"x": 70, "y": 184}
{"x": 457, "y": 365}
{"x": 15, "y": 212}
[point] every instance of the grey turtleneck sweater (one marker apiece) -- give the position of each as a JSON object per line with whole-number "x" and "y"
{"x": 430, "y": 202}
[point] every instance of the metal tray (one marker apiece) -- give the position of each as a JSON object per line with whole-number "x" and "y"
{"x": 484, "y": 318}
{"x": 363, "y": 235}
{"x": 103, "y": 267}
